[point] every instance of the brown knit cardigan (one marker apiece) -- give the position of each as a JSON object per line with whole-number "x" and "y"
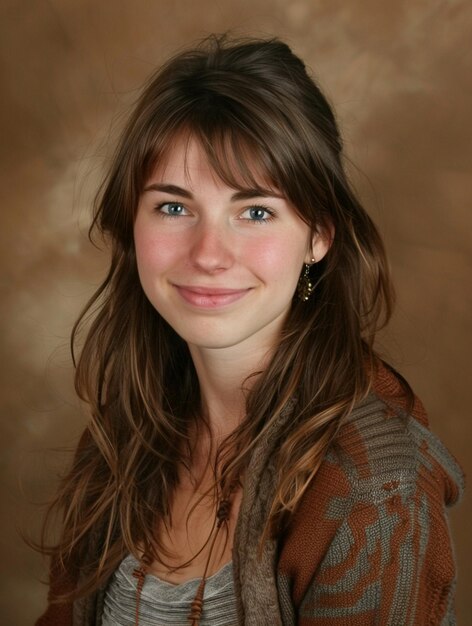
{"x": 369, "y": 545}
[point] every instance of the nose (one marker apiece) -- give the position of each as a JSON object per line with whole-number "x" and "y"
{"x": 211, "y": 249}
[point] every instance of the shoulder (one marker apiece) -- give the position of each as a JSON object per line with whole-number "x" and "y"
{"x": 383, "y": 454}
{"x": 376, "y": 507}
{"x": 385, "y": 447}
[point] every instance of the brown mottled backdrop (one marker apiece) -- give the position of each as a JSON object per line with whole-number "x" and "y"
{"x": 400, "y": 76}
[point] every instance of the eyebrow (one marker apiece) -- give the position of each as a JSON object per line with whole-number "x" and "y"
{"x": 243, "y": 194}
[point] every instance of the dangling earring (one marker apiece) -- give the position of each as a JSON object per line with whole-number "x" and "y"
{"x": 305, "y": 287}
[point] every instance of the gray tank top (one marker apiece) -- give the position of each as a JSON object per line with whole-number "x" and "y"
{"x": 165, "y": 604}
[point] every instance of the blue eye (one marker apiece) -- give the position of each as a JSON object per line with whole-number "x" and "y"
{"x": 172, "y": 209}
{"x": 259, "y": 214}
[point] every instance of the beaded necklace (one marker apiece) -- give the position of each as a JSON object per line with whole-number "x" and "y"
{"x": 196, "y": 608}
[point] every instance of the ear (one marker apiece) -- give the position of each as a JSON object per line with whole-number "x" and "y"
{"x": 320, "y": 244}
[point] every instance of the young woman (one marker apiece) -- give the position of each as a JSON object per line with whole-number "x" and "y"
{"x": 249, "y": 459}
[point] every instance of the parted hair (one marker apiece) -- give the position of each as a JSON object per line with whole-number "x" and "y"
{"x": 258, "y": 114}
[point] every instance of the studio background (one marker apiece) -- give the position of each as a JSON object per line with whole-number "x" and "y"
{"x": 399, "y": 74}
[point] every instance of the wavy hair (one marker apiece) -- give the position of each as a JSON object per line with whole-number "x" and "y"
{"x": 236, "y": 98}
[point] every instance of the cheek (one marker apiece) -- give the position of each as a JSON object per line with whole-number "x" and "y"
{"x": 278, "y": 257}
{"x": 154, "y": 252}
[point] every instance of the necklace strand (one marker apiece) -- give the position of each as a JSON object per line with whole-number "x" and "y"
{"x": 196, "y": 608}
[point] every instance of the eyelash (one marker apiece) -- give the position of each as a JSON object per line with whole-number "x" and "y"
{"x": 160, "y": 206}
{"x": 260, "y": 207}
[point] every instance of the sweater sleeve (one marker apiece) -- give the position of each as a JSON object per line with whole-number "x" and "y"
{"x": 370, "y": 543}
{"x": 389, "y": 563}
{"x": 57, "y": 613}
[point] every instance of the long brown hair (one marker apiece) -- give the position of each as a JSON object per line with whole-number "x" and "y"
{"x": 235, "y": 98}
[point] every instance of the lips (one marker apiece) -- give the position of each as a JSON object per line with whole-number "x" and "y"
{"x": 210, "y": 297}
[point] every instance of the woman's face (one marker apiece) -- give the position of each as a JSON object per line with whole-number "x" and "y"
{"x": 220, "y": 265}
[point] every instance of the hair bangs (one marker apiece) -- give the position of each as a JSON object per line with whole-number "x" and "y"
{"x": 235, "y": 153}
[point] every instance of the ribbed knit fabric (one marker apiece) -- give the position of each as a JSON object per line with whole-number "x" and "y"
{"x": 368, "y": 546}
{"x": 374, "y": 525}
{"x": 164, "y": 603}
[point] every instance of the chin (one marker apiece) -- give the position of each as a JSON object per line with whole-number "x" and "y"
{"x": 212, "y": 336}
{"x": 212, "y": 342}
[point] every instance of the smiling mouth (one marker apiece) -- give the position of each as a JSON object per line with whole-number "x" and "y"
{"x": 210, "y": 297}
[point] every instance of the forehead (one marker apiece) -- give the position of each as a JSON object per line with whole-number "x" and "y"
{"x": 183, "y": 160}
{"x": 187, "y": 158}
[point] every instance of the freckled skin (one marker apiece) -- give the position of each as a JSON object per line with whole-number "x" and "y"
{"x": 212, "y": 240}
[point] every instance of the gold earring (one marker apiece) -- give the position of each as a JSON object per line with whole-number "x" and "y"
{"x": 305, "y": 287}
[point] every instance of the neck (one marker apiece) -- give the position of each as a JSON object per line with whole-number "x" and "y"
{"x": 222, "y": 375}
